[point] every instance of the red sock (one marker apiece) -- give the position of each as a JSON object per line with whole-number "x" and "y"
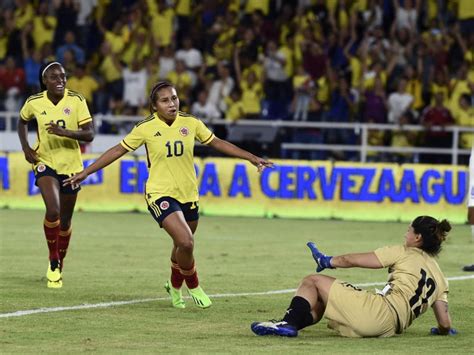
{"x": 51, "y": 231}
{"x": 176, "y": 276}
{"x": 191, "y": 277}
{"x": 63, "y": 243}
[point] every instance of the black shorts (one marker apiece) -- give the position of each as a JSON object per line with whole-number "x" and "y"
{"x": 44, "y": 170}
{"x": 164, "y": 206}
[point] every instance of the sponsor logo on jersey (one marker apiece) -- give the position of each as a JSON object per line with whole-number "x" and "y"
{"x": 157, "y": 134}
{"x": 184, "y": 131}
{"x": 67, "y": 111}
{"x": 164, "y": 205}
{"x": 40, "y": 168}
{"x": 43, "y": 113}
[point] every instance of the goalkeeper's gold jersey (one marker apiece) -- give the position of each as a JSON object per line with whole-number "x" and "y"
{"x": 61, "y": 154}
{"x": 170, "y": 155}
{"x": 415, "y": 280}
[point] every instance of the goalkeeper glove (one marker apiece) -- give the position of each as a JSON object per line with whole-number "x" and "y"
{"x": 435, "y": 331}
{"x": 323, "y": 261}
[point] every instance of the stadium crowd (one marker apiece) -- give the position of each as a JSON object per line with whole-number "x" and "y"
{"x": 379, "y": 61}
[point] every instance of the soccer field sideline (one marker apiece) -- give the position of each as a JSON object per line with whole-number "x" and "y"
{"x": 145, "y": 300}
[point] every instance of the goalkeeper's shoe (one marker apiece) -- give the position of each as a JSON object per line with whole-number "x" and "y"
{"x": 468, "y": 268}
{"x": 176, "y": 295}
{"x": 274, "y": 327}
{"x": 199, "y": 297}
{"x": 54, "y": 277}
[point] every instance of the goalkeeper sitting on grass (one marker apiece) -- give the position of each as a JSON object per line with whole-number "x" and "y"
{"x": 415, "y": 283}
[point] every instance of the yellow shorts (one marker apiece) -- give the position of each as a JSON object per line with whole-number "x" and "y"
{"x": 356, "y": 313}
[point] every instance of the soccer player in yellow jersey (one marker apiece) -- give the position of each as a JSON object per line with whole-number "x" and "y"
{"x": 171, "y": 189}
{"x": 415, "y": 282}
{"x": 63, "y": 120}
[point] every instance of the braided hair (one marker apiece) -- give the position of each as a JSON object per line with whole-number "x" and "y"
{"x": 432, "y": 231}
{"x": 154, "y": 91}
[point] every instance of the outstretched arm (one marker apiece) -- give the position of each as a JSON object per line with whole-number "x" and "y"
{"x": 230, "y": 149}
{"x": 365, "y": 260}
{"x": 104, "y": 160}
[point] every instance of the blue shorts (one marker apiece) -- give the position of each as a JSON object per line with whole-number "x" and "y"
{"x": 164, "y": 206}
{"x": 44, "y": 170}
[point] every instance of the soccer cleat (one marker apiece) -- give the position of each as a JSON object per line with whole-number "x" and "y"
{"x": 468, "y": 268}
{"x": 54, "y": 277}
{"x": 199, "y": 297}
{"x": 176, "y": 296}
{"x": 273, "y": 327}
{"x": 55, "y": 284}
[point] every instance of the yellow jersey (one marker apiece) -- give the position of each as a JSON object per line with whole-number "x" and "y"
{"x": 117, "y": 42}
{"x": 162, "y": 26}
{"x": 183, "y": 8}
{"x": 288, "y": 53}
{"x": 251, "y": 96}
{"x": 458, "y": 87}
{"x": 465, "y": 118}
{"x": 86, "y": 85}
{"x": 40, "y": 33}
{"x": 170, "y": 155}
{"x": 23, "y": 15}
{"x": 235, "y": 109}
{"x": 465, "y": 9}
{"x": 415, "y": 281}
{"x": 61, "y": 154}
{"x": 182, "y": 82}
{"x": 414, "y": 88}
{"x": 253, "y": 5}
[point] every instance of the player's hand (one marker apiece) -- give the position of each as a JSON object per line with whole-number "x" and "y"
{"x": 54, "y": 128}
{"x": 76, "y": 179}
{"x": 261, "y": 164}
{"x": 30, "y": 155}
{"x": 323, "y": 261}
{"x": 435, "y": 331}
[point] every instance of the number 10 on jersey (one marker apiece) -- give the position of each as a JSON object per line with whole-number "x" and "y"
{"x": 175, "y": 149}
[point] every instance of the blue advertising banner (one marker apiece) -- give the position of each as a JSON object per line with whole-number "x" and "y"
{"x": 292, "y": 189}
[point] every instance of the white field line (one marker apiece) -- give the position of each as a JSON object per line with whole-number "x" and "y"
{"x": 219, "y": 295}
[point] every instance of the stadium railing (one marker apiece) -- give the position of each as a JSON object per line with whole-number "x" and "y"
{"x": 267, "y": 129}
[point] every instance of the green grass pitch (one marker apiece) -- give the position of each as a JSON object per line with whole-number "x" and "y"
{"x": 125, "y": 257}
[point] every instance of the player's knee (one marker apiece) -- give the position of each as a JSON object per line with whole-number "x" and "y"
{"x": 317, "y": 281}
{"x": 186, "y": 245}
{"x": 52, "y": 214}
{"x": 65, "y": 222}
{"x": 311, "y": 280}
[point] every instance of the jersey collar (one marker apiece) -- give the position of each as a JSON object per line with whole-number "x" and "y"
{"x": 51, "y": 102}
{"x": 163, "y": 123}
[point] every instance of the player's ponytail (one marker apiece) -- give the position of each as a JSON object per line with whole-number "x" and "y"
{"x": 432, "y": 231}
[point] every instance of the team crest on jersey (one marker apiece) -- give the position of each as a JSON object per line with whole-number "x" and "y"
{"x": 67, "y": 111}
{"x": 184, "y": 131}
{"x": 40, "y": 168}
{"x": 164, "y": 205}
